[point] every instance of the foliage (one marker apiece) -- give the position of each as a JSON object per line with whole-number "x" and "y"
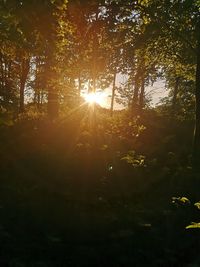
{"x": 79, "y": 179}
{"x": 181, "y": 201}
{"x": 193, "y": 225}
{"x": 134, "y": 160}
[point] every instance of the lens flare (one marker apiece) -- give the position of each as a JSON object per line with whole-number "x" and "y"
{"x": 95, "y": 98}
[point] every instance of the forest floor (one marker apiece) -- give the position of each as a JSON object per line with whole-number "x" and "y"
{"x": 58, "y": 208}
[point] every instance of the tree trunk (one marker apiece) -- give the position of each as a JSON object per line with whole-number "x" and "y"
{"x": 94, "y": 64}
{"x": 113, "y": 94}
{"x": 135, "y": 98}
{"x": 21, "y": 97}
{"x": 25, "y": 65}
{"x": 52, "y": 77}
{"x": 141, "y": 99}
{"x": 53, "y": 105}
{"x": 2, "y": 80}
{"x": 174, "y": 99}
{"x": 196, "y": 144}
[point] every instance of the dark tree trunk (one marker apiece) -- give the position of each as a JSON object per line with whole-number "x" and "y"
{"x": 113, "y": 94}
{"x": 25, "y": 65}
{"x": 135, "y": 98}
{"x": 52, "y": 77}
{"x": 196, "y": 145}
{"x": 174, "y": 99}
{"x": 141, "y": 99}
{"x": 38, "y": 82}
{"x": 53, "y": 103}
{"x": 2, "y": 77}
{"x": 21, "y": 97}
{"x": 94, "y": 63}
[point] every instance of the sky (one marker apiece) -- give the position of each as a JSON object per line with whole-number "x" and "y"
{"x": 156, "y": 92}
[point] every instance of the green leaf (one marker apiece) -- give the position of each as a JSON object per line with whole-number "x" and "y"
{"x": 181, "y": 201}
{"x": 184, "y": 200}
{"x": 193, "y": 225}
{"x": 197, "y": 204}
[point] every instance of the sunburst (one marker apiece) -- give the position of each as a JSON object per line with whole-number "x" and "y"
{"x": 95, "y": 98}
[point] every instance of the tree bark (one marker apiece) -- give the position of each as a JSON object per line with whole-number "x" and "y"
{"x": 2, "y": 80}
{"x": 53, "y": 105}
{"x": 196, "y": 144}
{"x": 25, "y": 65}
{"x": 135, "y": 98}
{"x": 174, "y": 99}
{"x": 94, "y": 63}
{"x": 21, "y": 97}
{"x": 141, "y": 99}
{"x": 52, "y": 77}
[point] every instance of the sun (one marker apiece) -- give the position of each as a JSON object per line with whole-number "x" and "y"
{"x": 95, "y": 98}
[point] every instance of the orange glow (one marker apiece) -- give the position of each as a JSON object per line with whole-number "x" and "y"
{"x": 98, "y": 98}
